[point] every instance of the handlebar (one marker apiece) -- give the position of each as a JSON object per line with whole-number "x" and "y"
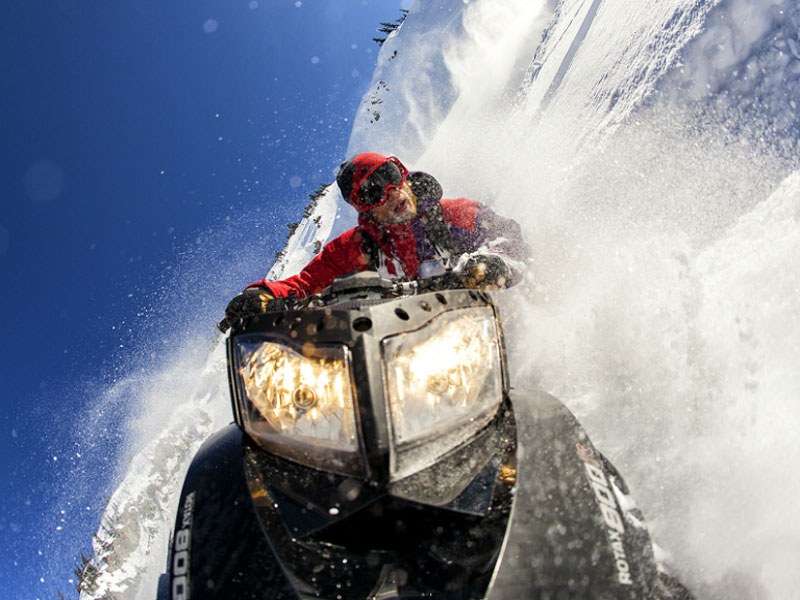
{"x": 368, "y": 284}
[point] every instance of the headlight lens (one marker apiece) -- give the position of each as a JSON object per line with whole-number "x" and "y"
{"x": 445, "y": 376}
{"x": 293, "y": 398}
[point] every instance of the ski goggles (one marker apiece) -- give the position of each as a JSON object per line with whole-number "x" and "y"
{"x": 372, "y": 189}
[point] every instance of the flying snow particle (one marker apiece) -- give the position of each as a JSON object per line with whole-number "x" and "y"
{"x": 210, "y": 26}
{"x": 355, "y": 73}
{"x": 314, "y": 60}
{"x": 295, "y": 182}
{"x": 43, "y": 181}
{"x": 253, "y": 5}
{"x": 298, "y": 4}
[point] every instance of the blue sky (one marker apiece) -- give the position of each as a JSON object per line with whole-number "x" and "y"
{"x": 139, "y": 137}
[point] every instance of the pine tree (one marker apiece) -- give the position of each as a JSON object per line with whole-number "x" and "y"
{"x": 388, "y": 28}
{"x": 88, "y": 569}
{"x": 307, "y": 212}
{"x": 315, "y": 196}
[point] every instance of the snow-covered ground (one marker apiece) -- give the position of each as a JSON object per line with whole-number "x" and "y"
{"x": 649, "y": 152}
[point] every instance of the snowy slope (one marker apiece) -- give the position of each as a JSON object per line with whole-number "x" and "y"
{"x": 648, "y": 150}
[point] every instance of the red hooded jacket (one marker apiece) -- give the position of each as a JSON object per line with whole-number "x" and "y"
{"x": 472, "y": 226}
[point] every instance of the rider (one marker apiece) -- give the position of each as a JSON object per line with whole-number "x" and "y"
{"x": 405, "y": 229}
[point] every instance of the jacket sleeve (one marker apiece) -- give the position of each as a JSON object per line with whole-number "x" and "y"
{"x": 340, "y": 256}
{"x": 476, "y": 228}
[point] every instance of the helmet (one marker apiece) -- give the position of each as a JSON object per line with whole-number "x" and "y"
{"x": 365, "y": 179}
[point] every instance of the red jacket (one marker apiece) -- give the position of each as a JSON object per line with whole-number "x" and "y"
{"x": 472, "y": 226}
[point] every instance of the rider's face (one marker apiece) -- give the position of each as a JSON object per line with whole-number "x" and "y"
{"x": 400, "y": 206}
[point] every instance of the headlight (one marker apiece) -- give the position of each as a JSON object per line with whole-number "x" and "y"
{"x": 296, "y": 400}
{"x": 442, "y": 380}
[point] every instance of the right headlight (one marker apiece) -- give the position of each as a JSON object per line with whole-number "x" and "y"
{"x": 443, "y": 380}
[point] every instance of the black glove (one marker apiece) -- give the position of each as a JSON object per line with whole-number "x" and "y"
{"x": 252, "y": 301}
{"x": 485, "y": 272}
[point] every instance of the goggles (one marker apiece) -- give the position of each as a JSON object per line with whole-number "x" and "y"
{"x": 371, "y": 190}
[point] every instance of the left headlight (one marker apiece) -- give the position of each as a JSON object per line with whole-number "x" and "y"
{"x": 443, "y": 381}
{"x": 296, "y": 400}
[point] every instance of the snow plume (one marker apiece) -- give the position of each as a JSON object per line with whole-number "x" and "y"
{"x": 750, "y": 322}
{"x": 170, "y": 394}
{"x": 130, "y": 548}
{"x": 676, "y": 344}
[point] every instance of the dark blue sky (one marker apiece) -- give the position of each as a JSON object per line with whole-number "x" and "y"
{"x": 139, "y": 137}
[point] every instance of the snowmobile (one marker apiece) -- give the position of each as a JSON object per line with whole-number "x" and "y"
{"x": 379, "y": 451}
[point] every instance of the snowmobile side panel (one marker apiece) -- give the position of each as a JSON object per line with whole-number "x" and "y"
{"x": 216, "y": 513}
{"x": 568, "y": 536}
